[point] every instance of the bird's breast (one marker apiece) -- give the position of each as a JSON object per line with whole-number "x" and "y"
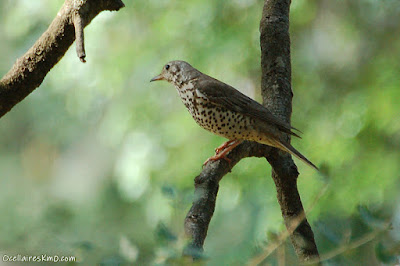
{"x": 215, "y": 118}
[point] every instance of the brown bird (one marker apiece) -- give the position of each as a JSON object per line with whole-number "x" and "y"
{"x": 223, "y": 110}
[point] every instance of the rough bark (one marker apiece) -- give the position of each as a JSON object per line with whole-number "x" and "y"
{"x": 30, "y": 70}
{"x": 277, "y": 97}
{"x": 205, "y": 195}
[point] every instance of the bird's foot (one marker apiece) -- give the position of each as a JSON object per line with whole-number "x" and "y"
{"x": 224, "y": 146}
{"x": 216, "y": 158}
{"x": 223, "y": 150}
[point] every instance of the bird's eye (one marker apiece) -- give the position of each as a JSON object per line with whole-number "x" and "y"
{"x": 167, "y": 67}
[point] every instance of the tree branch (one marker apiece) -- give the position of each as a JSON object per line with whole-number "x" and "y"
{"x": 205, "y": 195}
{"x": 277, "y": 97}
{"x": 79, "y": 25}
{"x": 29, "y": 70}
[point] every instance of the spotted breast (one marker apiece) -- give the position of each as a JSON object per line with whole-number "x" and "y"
{"x": 217, "y": 119}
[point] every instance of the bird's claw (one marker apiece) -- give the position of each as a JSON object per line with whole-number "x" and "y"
{"x": 216, "y": 158}
{"x": 222, "y": 151}
{"x": 224, "y": 146}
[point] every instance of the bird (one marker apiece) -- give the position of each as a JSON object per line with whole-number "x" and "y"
{"x": 225, "y": 111}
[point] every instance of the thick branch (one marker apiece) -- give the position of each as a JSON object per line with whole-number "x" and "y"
{"x": 206, "y": 189}
{"x": 277, "y": 97}
{"x": 29, "y": 71}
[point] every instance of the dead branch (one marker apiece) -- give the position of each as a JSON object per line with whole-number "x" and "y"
{"x": 30, "y": 70}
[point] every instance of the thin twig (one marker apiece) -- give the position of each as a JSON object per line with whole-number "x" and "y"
{"x": 268, "y": 250}
{"x": 355, "y": 244}
{"x": 79, "y": 36}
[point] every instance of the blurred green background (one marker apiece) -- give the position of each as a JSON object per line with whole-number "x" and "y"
{"x": 99, "y": 163}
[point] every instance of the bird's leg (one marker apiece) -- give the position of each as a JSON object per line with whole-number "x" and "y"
{"x": 223, "y": 146}
{"x": 222, "y": 154}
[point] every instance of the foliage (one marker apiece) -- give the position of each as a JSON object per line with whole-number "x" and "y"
{"x": 99, "y": 163}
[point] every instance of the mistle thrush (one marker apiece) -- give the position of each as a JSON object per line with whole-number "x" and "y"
{"x": 223, "y": 110}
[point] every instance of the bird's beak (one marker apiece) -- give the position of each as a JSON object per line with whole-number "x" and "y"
{"x": 159, "y": 77}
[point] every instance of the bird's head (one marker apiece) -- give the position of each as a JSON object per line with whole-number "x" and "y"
{"x": 177, "y": 72}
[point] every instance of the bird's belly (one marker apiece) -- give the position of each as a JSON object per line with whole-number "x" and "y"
{"x": 222, "y": 122}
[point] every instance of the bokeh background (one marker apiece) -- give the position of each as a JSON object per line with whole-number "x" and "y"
{"x": 99, "y": 163}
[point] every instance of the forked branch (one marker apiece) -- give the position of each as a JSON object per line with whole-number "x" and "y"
{"x": 277, "y": 97}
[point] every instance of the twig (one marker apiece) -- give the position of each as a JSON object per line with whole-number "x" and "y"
{"x": 355, "y": 244}
{"x": 285, "y": 234}
{"x": 79, "y": 36}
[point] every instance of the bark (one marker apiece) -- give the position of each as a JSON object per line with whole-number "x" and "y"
{"x": 205, "y": 195}
{"x": 277, "y": 97}
{"x": 30, "y": 70}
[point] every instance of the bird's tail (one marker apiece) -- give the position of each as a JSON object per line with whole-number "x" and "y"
{"x": 290, "y": 149}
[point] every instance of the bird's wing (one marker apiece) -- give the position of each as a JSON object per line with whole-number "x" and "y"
{"x": 223, "y": 95}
